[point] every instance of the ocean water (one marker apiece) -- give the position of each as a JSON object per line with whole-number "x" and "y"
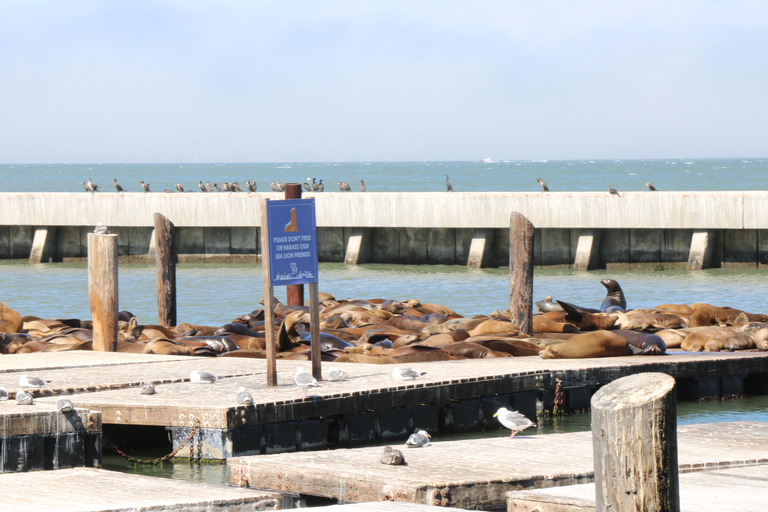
{"x": 476, "y": 176}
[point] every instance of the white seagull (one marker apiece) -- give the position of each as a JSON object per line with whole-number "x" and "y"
{"x": 335, "y": 375}
{"x": 244, "y": 397}
{"x": 400, "y": 373}
{"x": 201, "y": 377}
{"x": 27, "y": 381}
{"x": 418, "y": 439}
{"x": 513, "y": 420}
{"x": 304, "y": 379}
{"x": 24, "y": 398}
{"x": 148, "y": 388}
{"x": 65, "y": 405}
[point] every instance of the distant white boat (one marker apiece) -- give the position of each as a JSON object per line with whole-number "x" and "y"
{"x": 488, "y": 160}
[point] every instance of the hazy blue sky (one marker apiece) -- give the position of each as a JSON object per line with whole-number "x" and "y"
{"x": 323, "y": 80}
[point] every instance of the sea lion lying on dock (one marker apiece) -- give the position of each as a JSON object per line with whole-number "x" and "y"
{"x": 590, "y": 344}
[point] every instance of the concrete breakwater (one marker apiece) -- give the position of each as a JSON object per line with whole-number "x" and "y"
{"x": 583, "y": 230}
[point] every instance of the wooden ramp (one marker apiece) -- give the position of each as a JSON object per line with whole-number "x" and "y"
{"x": 380, "y": 506}
{"x": 743, "y": 489}
{"x": 479, "y": 473}
{"x": 96, "y": 490}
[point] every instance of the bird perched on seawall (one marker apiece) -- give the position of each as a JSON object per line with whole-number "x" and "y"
{"x": 117, "y": 185}
{"x": 448, "y": 184}
{"x": 280, "y": 186}
{"x": 418, "y": 439}
{"x": 201, "y": 377}
{"x": 201, "y": 186}
{"x": 251, "y": 186}
{"x": 613, "y": 191}
{"x": 145, "y": 186}
{"x": 92, "y": 186}
{"x": 650, "y": 187}
{"x": 513, "y": 420}
{"x": 544, "y": 186}
{"x": 307, "y": 186}
{"x": 344, "y": 187}
{"x": 208, "y": 186}
{"x": 320, "y": 186}
{"x": 362, "y": 185}
{"x": 392, "y": 457}
{"x": 179, "y": 187}
{"x": 400, "y": 373}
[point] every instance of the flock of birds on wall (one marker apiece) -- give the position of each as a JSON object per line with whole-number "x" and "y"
{"x": 315, "y": 186}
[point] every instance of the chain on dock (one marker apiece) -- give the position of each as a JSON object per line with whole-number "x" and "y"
{"x": 134, "y": 460}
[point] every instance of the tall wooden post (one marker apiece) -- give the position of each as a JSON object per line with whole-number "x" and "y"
{"x": 294, "y": 292}
{"x": 634, "y": 439}
{"x": 314, "y": 332}
{"x": 521, "y": 272}
{"x": 269, "y": 312}
{"x": 165, "y": 265}
{"x": 102, "y": 290}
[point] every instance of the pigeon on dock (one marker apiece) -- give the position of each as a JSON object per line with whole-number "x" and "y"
{"x": 513, "y": 420}
{"x": 304, "y": 380}
{"x": 28, "y": 381}
{"x": 336, "y": 375}
{"x": 418, "y": 439}
{"x": 201, "y": 377}
{"x": 24, "y": 398}
{"x": 400, "y": 373}
{"x": 392, "y": 457}
{"x": 148, "y": 388}
{"x": 244, "y": 397}
{"x": 65, "y": 405}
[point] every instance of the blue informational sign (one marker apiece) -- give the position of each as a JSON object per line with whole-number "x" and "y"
{"x": 292, "y": 241}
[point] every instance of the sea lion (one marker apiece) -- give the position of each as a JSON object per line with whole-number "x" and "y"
{"x": 643, "y": 343}
{"x": 544, "y": 324}
{"x": 707, "y": 314}
{"x": 582, "y": 319}
{"x": 673, "y": 338}
{"x": 10, "y": 321}
{"x": 695, "y": 341}
{"x": 678, "y": 309}
{"x": 495, "y": 326}
{"x": 642, "y": 320}
{"x": 761, "y": 339}
{"x": 511, "y": 346}
{"x": 614, "y": 297}
{"x": 547, "y": 305}
{"x": 591, "y": 344}
{"x": 471, "y": 350}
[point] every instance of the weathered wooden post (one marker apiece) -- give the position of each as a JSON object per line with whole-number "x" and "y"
{"x": 269, "y": 310}
{"x": 521, "y": 272}
{"x": 634, "y": 440}
{"x": 294, "y": 292}
{"x": 165, "y": 266}
{"x": 102, "y": 289}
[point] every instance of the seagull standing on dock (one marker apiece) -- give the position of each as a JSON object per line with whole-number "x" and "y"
{"x": 418, "y": 439}
{"x": 513, "y": 420}
{"x": 201, "y": 377}
{"x": 27, "y": 381}
{"x": 544, "y": 186}
{"x": 400, "y": 373}
{"x": 24, "y": 398}
{"x": 244, "y": 397}
{"x": 650, "y": 187}
{"x": 65, "y": 405}
{"x": 304, "y": 379}
{"x": 335, "y": 375}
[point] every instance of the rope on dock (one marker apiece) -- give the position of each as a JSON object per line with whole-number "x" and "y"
{"x": 134, "y": 460}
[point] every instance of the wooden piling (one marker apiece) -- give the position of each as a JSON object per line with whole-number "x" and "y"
{"x": 314, "y": 331}
{"x": 269, "y": 310}
{"x": 102, "y": 290}
{"x": 634, "y": 441}
{"x": 165, "y": 265}
{"x": 294, "y": 292}
{"x": 521, "y": 271}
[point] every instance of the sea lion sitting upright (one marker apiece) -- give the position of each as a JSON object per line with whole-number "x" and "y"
{"x": 615, "y": 296}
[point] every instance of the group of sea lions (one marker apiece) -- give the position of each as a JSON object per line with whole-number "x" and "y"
{"x": 391, "y": 331}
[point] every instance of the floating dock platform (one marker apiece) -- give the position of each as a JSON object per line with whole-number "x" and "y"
{"x": 478, "y": 474}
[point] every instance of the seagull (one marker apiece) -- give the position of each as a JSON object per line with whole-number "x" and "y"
{"x": 101, "y": 229}
{"x": 179, "y": 187}
{"x": 613, "y": 191}
{"x": 343, "y": 186}
{"x": 392, "y": 457}
{"x": 117, "y": 185}
{"x": 145, "y": 186}
{"x": 27, "y": 381}
{"x": 244, "y": 397}
{"x": 148, "y": 388}
{"x": 24, "y": 398}
{"x": 3, "y": 394}
{"x": 544, "y": 186}
{"x": 448, "y": 185}
{"x": 335, "y": 375}
{"x": 405, "y": 373}
{"x": 201, "y": 377}
{"x": 202, "y": 187}
{"x": 65, "y": 405}
{"x": 513, "y": 420}
{"x": 304, "y": 380}
{"x": 650, "y": 187}
{"x": 418, "y": 439}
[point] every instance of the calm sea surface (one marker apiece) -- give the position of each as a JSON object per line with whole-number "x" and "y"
{"x": 478, "y": 176}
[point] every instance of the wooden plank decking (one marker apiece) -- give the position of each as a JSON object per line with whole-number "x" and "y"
{"x": 479, "y": 473}
{"x": 96, "y": 490}
{"x": 742, "y": 489}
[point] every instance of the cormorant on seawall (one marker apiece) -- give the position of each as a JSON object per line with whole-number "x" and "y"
{"x": 448, "y": 185}
{"x": 544, "y": 186}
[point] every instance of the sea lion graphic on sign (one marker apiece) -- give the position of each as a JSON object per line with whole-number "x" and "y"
{"x": 292, "y": 226}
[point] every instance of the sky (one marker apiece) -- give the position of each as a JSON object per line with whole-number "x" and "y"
{"x": 134, "y": 81}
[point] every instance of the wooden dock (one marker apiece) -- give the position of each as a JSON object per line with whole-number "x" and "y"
{"x": 369, "y": 406}
{"x": 743, "y": 488}
{"x": 479, "y": 473}
{"x": 97, "y": 490}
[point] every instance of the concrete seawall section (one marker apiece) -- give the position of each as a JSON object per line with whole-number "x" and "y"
{"x": 573, "y": 229}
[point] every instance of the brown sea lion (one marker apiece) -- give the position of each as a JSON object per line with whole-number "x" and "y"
{"x": 615, "y": 296}
{"x": 707, "y": 314}
{"x": 364, "y": 358}
{"x": 599, "y": 343}
{"x": 583, "y": 320}
{"x": 439, "y": 308}
{"x": 673, "y": 338}
{"x": 512, "y": 346}
{"x": 680, "y": 309}
{"x": 471, "y": 350}
{"x": 696, "y": 340}
{"x": 167, "y": 348}
{"x": 643, "y": 343}
{"x": 761, "y": 339}
{"x": 642, "y": 320}
{"x": 495, "y": 326}
{"x": 544, "y": 324}
{"x": 10, "y": 321}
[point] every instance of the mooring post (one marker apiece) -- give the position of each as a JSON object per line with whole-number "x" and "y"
{"x": 634, "y": 440}
{"x": 521, "y": 272}
{"x": 102, "y": 290}
{"x": 165, "y": 266}
{"x": 269, "y": 297}
{"x": 294, "y": 292}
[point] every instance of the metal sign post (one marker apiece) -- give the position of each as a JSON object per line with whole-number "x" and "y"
{"x": 289, "y": 256}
